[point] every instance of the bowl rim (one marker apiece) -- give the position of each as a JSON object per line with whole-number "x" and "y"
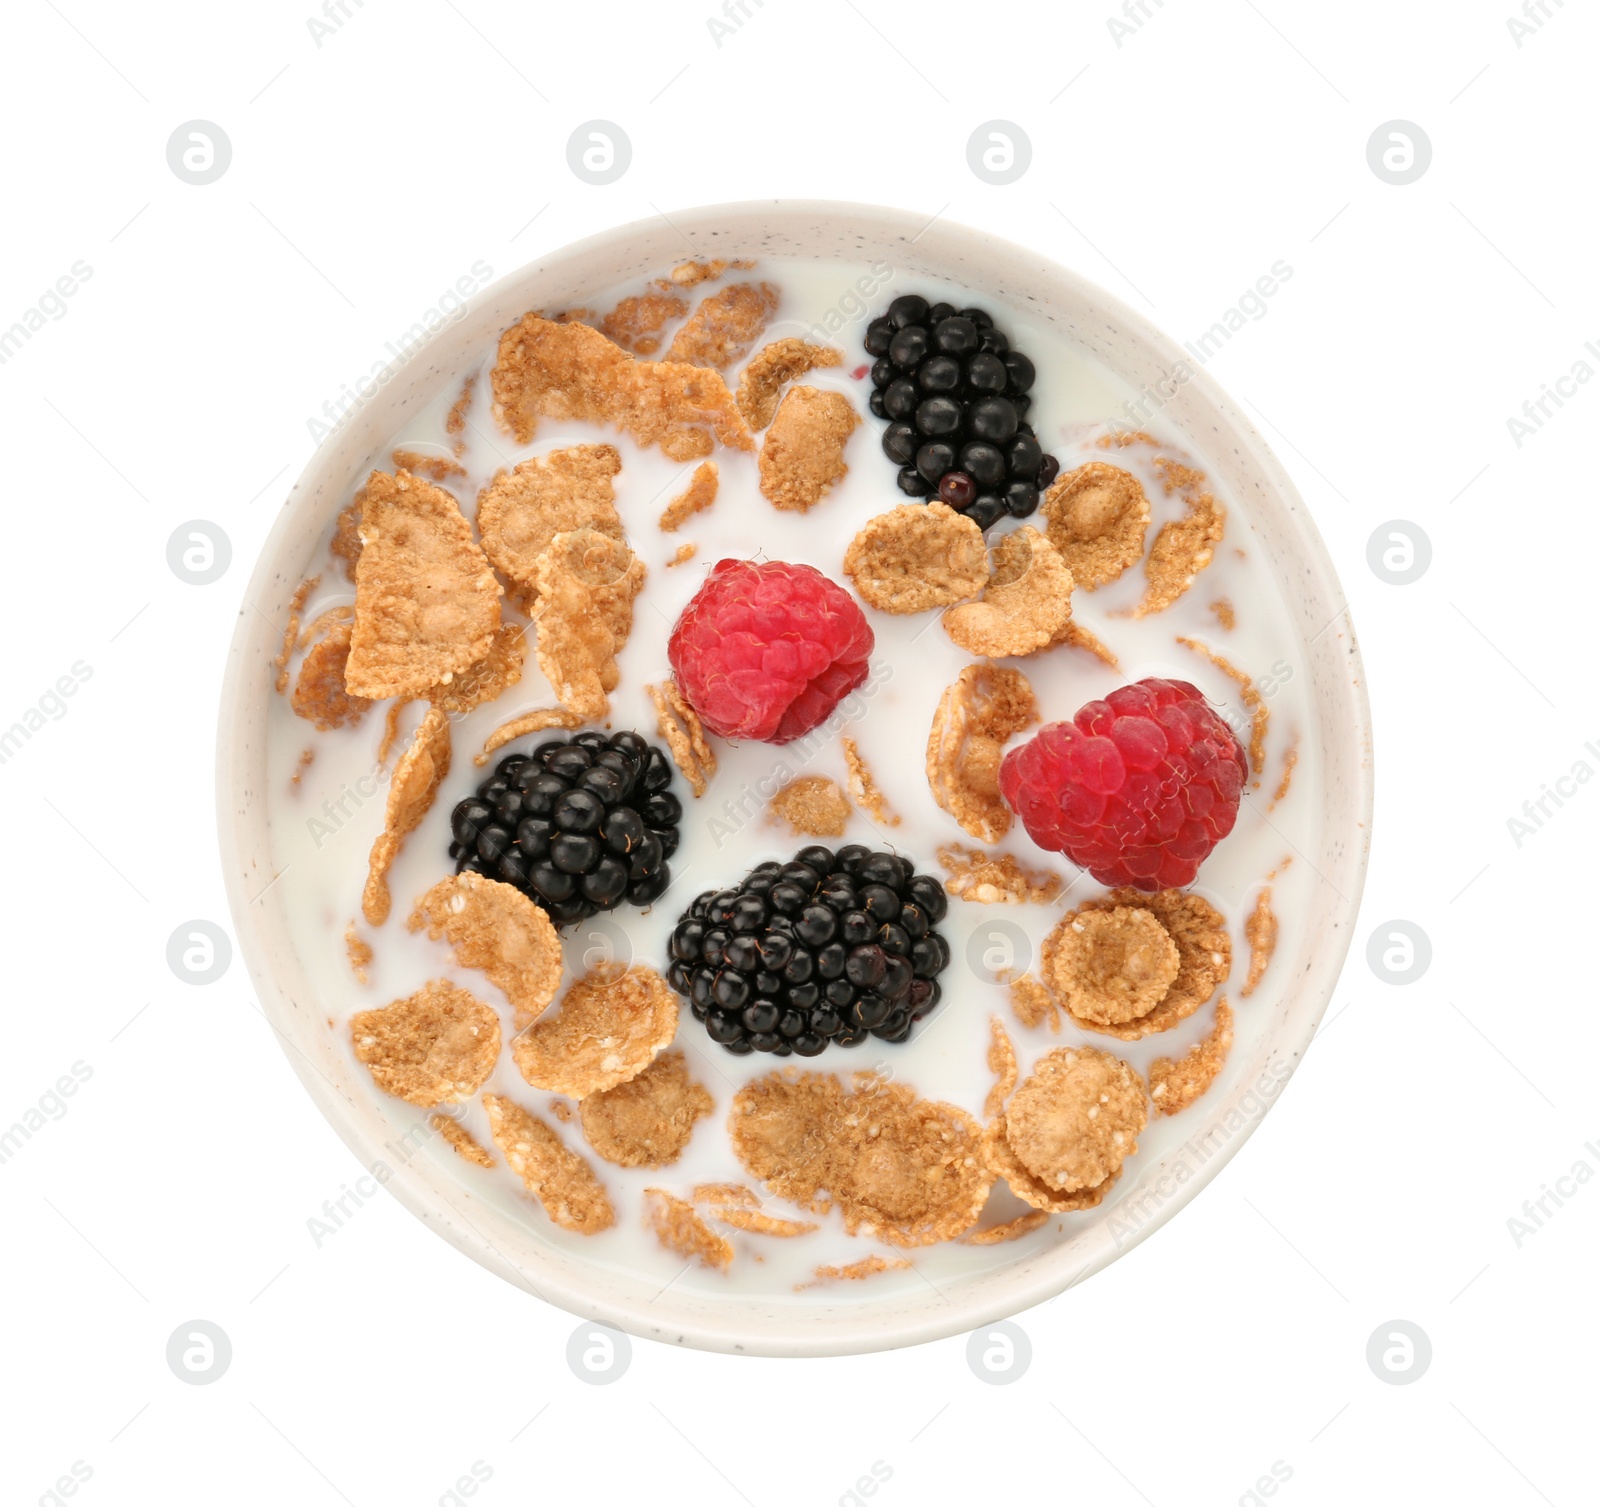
{"x": 243, "y": 824}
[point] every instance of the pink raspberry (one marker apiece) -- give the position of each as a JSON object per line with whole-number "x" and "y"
{"x": 1137, "y": 789}
{"x": 767, "y": 650}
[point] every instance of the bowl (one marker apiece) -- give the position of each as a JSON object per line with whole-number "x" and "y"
{"x": 1156, "y": 1188}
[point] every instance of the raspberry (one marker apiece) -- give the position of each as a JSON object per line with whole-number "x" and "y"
{"x": 767, "y": 650}
{"x": 1137, "y": 789}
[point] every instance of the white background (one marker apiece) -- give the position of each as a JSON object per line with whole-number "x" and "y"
{"x": 369, "y": 173}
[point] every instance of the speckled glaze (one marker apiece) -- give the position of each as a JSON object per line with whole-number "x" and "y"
{"x": 852, "y": 1320}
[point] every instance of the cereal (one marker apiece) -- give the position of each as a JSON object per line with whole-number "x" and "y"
{"x": 1012, "y": 1229}
{"x": 1185, "y": 546}
{"x": 1291, "y": 757}
{"x": 584, "y": 612}
{"x": 725, "y": 326}
{"x": 683, "y": 555}
{"x": 813, "y": 806}
{"x": 485, "y": 679}
{"x": 1004, "y": 1163}
{"x": 689, "y": 274}
{"x": 436, "y": 1047}
{"x": 568, "y": 371}
{"x": 1261, "y": 932}
{"x": 610, "y": 1026}
{"x": 1205, "y": 956}
{"x": 324, "y": 622}
{"x": 291, "y": 631}
{"x": 417, "y": 777}
{"x": 647, "y": 1121}
{"x": 1096, "y": 517}
{"x": 1002, "y": 1061}
{"x": 319, "y": 690}
{"x": 916, "y": 557}
{"x": 559, "y": 1178}
{"x": 539, "y": 720}
{"x": 1176, "y": 1084}
{"x": 1076, "y": 1117}
{"x": 347, "y": 535}
{"x": 520, "y": 512}
{"x": 856, "y": 1271}
{"x": 685, "y": 1233}
{"x": 696, "y": 498}
{"x": 637, "y": 321}
{"x": 1250, "y": 695}
{"x": 1032, "y": 1005}
{"x": 803, "y": 453}
{"x": 439, "y": 467}
{"x": 1113, "y": 966}
{"x": 461, "y": 1140}
{"x": 755, "y": 1222}
{"x": 725, "y": 1195}
{"x": 1026, "y": 604}
{"x": 358, "y": 952}
{"x": 391, "y": 729}
{"x": 499, "y": 931}
{"x": 303, "y": 763}
{"x": 995, "y": 878}
{"x": 1222, "y": 608}
{"x": 1076, "y": 636}
{"x": 864, "y": 789}
{"x": 773, "y": 366}
{"x": 908, "y": 1170}
{"x": 427, "y": 603}
{"x": 680, "y": 725}
{"x": 455, "y": 422}
{"x": 985, "y": 706}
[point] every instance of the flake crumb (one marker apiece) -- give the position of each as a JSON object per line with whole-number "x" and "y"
{"x": 455, "y": 422}
{"x": 291, "y": 632}
{"x": 556, "y": 1175}
{"x": 995, "y": 878}
{"x": 357, "y": 951}
{"x": 460, "y": 1140}
{"x": 680, "y": 725}
{"x": 864, "y": 790}
{"x": 691, "y": 274}
{"x": 303, "y": 763}
{"x": 683, "y": 1232}
{"x": 1012, "y": 1229}
{"x": 346, "y": 545}
{"x": 1002, "y": 1062}
{"x": 438, "y": 467}
{"x": 802, "y": 455}
{"x": 1291, "y": 757}
{"x": 1261, "y": 932}
{"x": 417, "y": 777}
{"x": 1032, "y": 1005}
{"x": 1076, "y": 636}
{"x": 1176, "y": 1083}
{"x": 856, "y": 1271}
{"x": 986, "y": 705}
{"x": 684, "y": 554}
{"x": 916, "y": 557}
{"x": 1222, "y": 609}
{"x": 813, "y": 806}
{"x": 696, "y": 498}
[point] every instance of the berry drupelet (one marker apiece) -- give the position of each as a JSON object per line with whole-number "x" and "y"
{"x": 829, "y": 948}
{"x": 956, "y": 397}
{"x": 578, "y": 825}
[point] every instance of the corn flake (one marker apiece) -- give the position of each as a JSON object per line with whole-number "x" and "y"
{"x": 771, "y": 368}
{"x": 460, "y": 1140}
{"x": 1113, "y": 966}
{"x": 1002, "y": 1061}
{"x": 416, "y": 782}
{"x": 1184, "y": 546}
{"x": 1176, "y": 1083}
{"x": 813, "y": 806}
{"x": 1076, "y": 1117}
{"x": 916, "y": 557}
{"x": 319, "y": 689}
{"x": 1026, "y": 605}
{"x": 802, "y": 455}
{"x": 680, "y": 725}
{"x": 1004, "y": 1163}
{"x": 637, "y": 321}
{"x": 725, "y": 326}
{"x": 683, "y": 1232}
{"x": 1096, "y": 517}
{"x": 609, "y": 1028}
{"x": 485, "y": 679}
{"x": 539, "y": 720}
{"x": 647, "y": 1121}
{"x": 1012, "y": 1229}
{"x": 438, "y": 1046}
{"x": 864, "y": 789}
{"x": 995, "y": 878}
{"x": 558, "y": 1177}
{"x": 975, "y": 716}
{"x": 584, "y": 612}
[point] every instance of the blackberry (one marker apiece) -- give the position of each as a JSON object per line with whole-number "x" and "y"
{"x": 956, "y": 397}
{"x": 579, "y": 825}
{"x": 829, "y": 948}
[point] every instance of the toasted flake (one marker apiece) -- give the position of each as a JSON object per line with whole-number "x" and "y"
{"x": 325, "y": 622}
{"x": 499, "y": 931}
{"x": 856, "y": 1271}
{"x": 683, "y": 555}
{"x": 568, "y": 371}
{"x": 995, "y": 878}
{"x": 438, "y": 1046}
{"x": 416, "y": 782}
{"x": 1176, "y": 1083}
{"x": 1012, "y": 1229}
{"x": 438, "y": 467}
{"x": 802, "y": 455}
{"x": 346, "y": 543}
{"x": 291, "y": 632}
{"x": 685, "y": 1233}
{"x": 1205, "y": 956}
{"x": 725, "y": 326}
{"x": 680, "y": 725}
{"x": 391, "y": 729}
{"x": 520, "y": 512}
{"x": 461, "y": 1140}
{"x": 1076, "y": 636}
{"x": 695, "y": 498}
{"x": 1184, "y": 546}
{"x": 485, "y": 679}
{"x": 975, "y": 716}
{"x": 1291, "y": 757}
{"x": 427, "y": 603}
{"x": 771, "y": 368}
{"x": 864, "y": 789}
{"x": 1260, "y": 713}
{"x": 1096, "y": 517}
{"x": 916, "y": 557}
{"x": 691, "y": 274}
{"x": 1076, "y": 1117}
{"x": 610, "y": 1027}
{"x": 558, "y": 1177}
{"x": 540, "y": 719}
{"x": 1222, "y": 609}
{"x": 638, "y": 320}
{"x": 813, "y": 806}
{"x": 757, "y": 1222}
{"x": 647, "y": 1121}
{"x": 455, "y": 422}
{"x": 319, "y": 689}
{"x": 908, "y": 1170}
{"x": 1261, "y": 932}
{"x": 1113, "y": 966}
{"x": 725, "y": 1195}
{"x": 1032, "y": 1005}
{"x": 584, "y": 612}
{"x": 358, "y": 952}
{"x": 1026, "y": 605}
{"x": 303, "y": 763}
{"x": 1004, "y": 1163}
{"x": 1002, "y": 1061}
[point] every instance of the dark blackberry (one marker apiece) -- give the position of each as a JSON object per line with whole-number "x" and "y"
{"x": 579, "y": 825}
{"x": 956, "y": 396}
{"x": 827, "y": 949}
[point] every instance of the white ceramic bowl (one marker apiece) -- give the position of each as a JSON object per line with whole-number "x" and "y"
{"x": 1130, "y": 347}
